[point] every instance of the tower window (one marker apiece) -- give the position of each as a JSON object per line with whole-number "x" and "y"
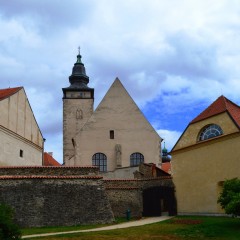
{"x": 73, "y": 142}
{"x": 111, "y": 134}
{"x": 21, "y": 153}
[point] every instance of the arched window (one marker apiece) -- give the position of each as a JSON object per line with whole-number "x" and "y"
{"x": 100, "y": 160}
{"x": 136, "y": 159}
{"x": 210, "y": 131}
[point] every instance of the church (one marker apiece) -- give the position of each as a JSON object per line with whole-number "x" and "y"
{"x": 115, "y": 136}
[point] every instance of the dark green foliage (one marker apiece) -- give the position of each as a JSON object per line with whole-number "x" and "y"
{"x": 230, "y": 197}
{"x": 8, "y": 230}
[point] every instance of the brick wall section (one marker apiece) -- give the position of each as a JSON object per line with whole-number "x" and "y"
{"x": 149, "y": 171}
{"x": 52, "y": 201}
{"x": 48, "y": 171}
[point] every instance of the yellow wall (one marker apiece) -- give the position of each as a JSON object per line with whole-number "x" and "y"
{"x": 198, "y": 169}
{"x": 190, "y": 136}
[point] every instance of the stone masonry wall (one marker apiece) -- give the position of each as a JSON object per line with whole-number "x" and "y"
{"x": 125, "y": 194}
{"x": 48, "y": 171}
{"x": 56, "y": 201}
{"x": 122, "y": 199}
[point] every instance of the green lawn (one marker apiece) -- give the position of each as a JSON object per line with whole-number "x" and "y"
{"x": 209, "y": 228}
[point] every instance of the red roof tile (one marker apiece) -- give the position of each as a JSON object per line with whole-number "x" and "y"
{"x": 5, "y": 93}
{"x": 49, "y": 160}
{"x": 166, "y": 167}
{"x": 222, "y": 104}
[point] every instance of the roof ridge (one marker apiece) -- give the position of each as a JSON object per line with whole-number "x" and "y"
{"x": 220, "y": 105}
{"x": 216, "y": 107}
{"x": 7, "y": 92}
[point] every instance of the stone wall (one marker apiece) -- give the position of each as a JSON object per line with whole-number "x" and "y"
{"x": 65, "y": 196}
{"x": 123, "y": 199}
{"x": 125, "y": 194}
{"x": 59, "y": 199}
{"x": 49, "y": 171}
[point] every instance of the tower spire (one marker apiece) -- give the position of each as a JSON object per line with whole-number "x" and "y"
{"x": 79, "y": 79}
{"x": 79, "y": 56}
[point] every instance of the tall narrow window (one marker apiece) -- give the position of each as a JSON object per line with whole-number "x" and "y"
{"x": 111, "y": 134}
{"x": 100, "y": 160}
{"x": 21, "y": 153}
{"x": 136, "y": 159}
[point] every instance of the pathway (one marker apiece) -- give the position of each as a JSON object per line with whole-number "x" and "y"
{"x": 140, "y": 222}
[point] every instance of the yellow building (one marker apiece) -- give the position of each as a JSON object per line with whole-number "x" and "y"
{"x": 206, "y": 154}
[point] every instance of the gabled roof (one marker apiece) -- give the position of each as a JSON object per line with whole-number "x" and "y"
{"x": 5, "y": 93}
{"x": 49, "y": 160}
{"x": 222, "y": 104}
{"x": 112, "y": 103}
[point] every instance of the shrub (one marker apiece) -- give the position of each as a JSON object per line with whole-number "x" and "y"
{"x": 8, "y": 230}
{"x": 230, "y": 197}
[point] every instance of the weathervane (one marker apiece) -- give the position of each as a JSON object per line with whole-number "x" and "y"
{"x": 79, "y": 50}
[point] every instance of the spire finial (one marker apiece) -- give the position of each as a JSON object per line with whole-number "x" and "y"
{"x": 79, "y": 56}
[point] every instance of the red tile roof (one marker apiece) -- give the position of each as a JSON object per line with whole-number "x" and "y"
{"x": 49, "y": 160}
{"x": 166, "y": 167}
{"x": 5, "y": 93}
{"x": 222, "y": 104}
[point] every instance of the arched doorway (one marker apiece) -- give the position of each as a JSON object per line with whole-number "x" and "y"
{"x": 158, "y": 201}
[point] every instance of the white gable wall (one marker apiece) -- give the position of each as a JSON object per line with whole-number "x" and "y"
{"x": 19, "y": 131}
{"x": 132, "y": 131}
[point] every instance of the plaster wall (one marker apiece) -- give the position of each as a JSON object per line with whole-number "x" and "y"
{"x": 132, "y": 132}
{"x": 190, "y": 136}
{"x": 17, "y": 116}
{"x": 10, "y": 146}
{"x": 199, "y": 171}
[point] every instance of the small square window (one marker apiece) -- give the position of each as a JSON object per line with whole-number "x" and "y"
{"x": 21, "y": 153}
{"x": 111, "y": 134}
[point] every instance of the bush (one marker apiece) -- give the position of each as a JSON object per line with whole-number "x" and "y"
{"x": 8, "y": 230}
{"x": 230, "y": 197}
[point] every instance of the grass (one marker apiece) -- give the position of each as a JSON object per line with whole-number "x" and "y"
{"x": 39, "y": 230}
{"x": 178, "y": 228}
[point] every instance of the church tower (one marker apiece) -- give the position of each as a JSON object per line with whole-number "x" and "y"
{"x": 78, "y": 101}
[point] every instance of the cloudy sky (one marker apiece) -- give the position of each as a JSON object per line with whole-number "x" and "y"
{"x": 173, "y": 56}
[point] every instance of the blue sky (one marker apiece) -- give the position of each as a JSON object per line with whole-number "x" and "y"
{"x": 173, "y": 56}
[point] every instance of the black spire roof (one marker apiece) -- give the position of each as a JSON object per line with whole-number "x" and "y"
{"x": 78, "y": 79}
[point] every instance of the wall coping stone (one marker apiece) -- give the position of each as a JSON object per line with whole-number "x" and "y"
{"x": 67, "y": 167}
{"x": 122, "y": 188}
{"x": 137, "y": 180}
{"x": 50, "y": 177}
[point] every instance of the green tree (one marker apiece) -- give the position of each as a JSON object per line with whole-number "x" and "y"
{"x": 8, "y": 230}
{"x": 230, "y": 197}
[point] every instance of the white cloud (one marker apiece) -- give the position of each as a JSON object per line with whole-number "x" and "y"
{"x": 169, "y": 54}
{"x": 169, "y": 137}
